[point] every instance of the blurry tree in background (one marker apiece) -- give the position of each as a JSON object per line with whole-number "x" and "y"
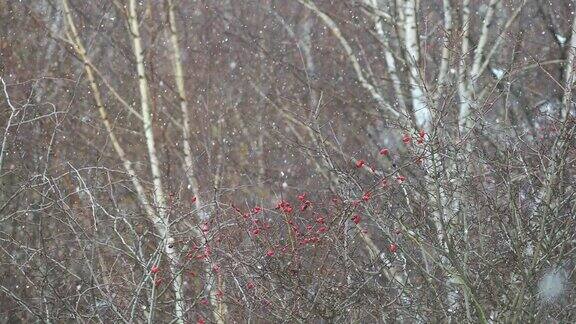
{"x": 358, "y": 161}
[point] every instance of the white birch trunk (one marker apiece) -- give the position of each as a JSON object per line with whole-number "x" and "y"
{"x": 79, "y": 48}
{"x": 479, "y": 51}
{"x": 444, "y": 64}
{"x": 389, "y": 58}
{"x": 569, "y": 72}
{"x": 463, "y": 87}
{"x": 159, "y": 197}
{"x": 219, "y": 309}
{"x": 422, "y": 112}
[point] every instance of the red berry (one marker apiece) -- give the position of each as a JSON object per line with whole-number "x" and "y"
{"x": 154, "y": 269}
{"x": 400, "y": 178}
{"x": 356, "y": 219}
{"x": 360, "y": 163}
{"x": 256, "y": 231}
{"x": 204, "y": 227}
{"x": 305, "y": 205}
{"x": 384, "y": 151}
{"x": 284, "y": 206}
{"x": 270, "y": 252}
{"x": 406, "y": 139}
{"x": 393, "y": 248}
{"x": 250, "y": 285}
{"x": 421, "y": 133}
{"x": 157, "y": 282}
{"x": 367, "y": 196}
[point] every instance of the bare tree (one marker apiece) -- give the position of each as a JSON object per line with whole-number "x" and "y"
{"x": 304, "y": 161}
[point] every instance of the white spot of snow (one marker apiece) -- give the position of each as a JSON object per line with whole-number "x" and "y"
{"x": 552, "y": 285}
{"x": 498, "y": 73}
{"x": 561, "y": 39}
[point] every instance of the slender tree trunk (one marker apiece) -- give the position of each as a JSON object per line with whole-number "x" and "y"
{"x": 159, "y": 197}
{"x": 219, "y": 308}
{"x": 421, "y": 110}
